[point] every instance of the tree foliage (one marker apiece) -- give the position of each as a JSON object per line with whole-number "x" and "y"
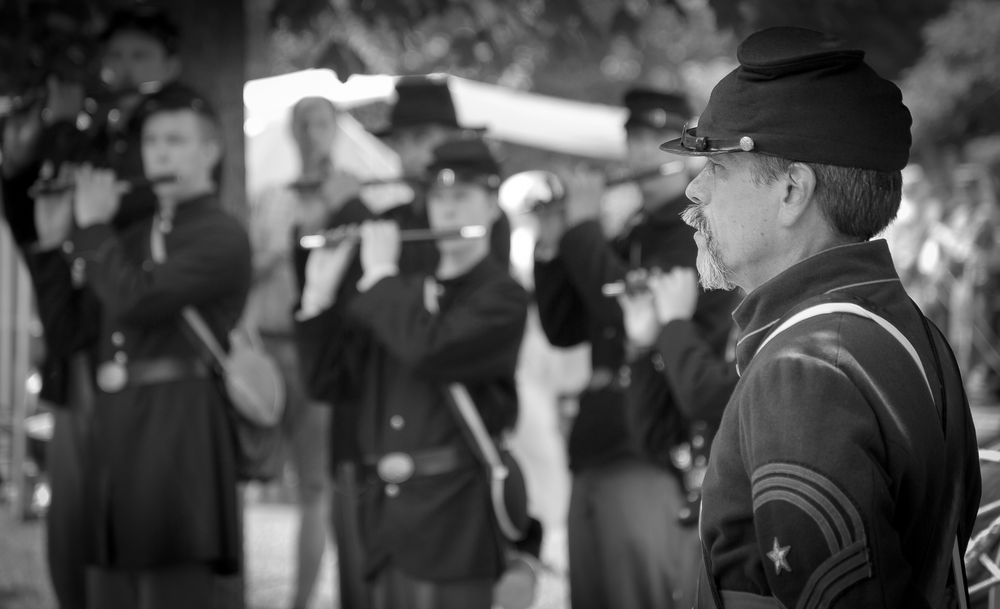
{"x": 954, "y": 90}
{"x": 47, "y": 37}
{"x": 580, "y": 48}
{"x": 888, "y": 30}
{"x": 589, "y": 49}
{"x": 583, "y": 49}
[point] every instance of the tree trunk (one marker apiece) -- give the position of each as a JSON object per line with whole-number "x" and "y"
{"x": 213, "y": 53}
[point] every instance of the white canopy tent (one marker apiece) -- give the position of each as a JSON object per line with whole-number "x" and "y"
{"x": 270, "y": 152}
{"x": 539, "y": 121}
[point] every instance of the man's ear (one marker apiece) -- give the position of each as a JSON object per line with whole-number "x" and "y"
{"x": 212, "y": 152}
{"x": 797, "y": 198}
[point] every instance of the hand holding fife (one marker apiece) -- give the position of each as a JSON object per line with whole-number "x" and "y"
{"x": 96, "y": 196}
{"x": 325, "y": 270}
{"x": 380, "y": 246}
{"x": 675, "y": 294}
{"x": 54, "y": 213}
{"x": 551, "y": 226}
{"x": 639, "y": 316}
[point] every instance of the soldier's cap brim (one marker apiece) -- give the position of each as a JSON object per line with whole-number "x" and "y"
{"x": 692, "y": 144}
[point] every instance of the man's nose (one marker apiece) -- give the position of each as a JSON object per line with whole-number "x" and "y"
{"x": 695, "y": 189}
{"x": 159, "y": 154}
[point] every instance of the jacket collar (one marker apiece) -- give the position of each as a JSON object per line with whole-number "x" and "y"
{"x": 837, "y": 269}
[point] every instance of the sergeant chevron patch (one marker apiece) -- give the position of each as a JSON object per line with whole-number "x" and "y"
{"x": 816, "y": 495}
{"x": 837, "y": 519}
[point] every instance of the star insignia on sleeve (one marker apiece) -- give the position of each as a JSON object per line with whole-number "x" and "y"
{"x": 777, "y": 556}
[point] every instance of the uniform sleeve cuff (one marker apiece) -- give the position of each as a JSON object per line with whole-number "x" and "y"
{"x": 376, "y": 274}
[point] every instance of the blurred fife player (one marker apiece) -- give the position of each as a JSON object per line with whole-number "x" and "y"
{"x": 160, "y": 479}
{"x": 139, "y": 54}
{"x": 422, "y": 118}
{"x": 428, "y": 533}
{"x": 845, "y": 472}
{"x": 627, "y": 547}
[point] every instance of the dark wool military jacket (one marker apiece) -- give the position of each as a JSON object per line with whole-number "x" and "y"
{"x": 327, "y": 372}
{"x": 436, "y": 527}
{"x": 838, "y": 478}
{"x": 60, "y": 142}
{"x": 573, "y": 310}
{"x": 160, "y": 482}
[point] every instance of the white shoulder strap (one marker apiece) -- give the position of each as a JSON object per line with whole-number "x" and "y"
{"x": 853, "y": 309}
{"x": 488, "y": 451}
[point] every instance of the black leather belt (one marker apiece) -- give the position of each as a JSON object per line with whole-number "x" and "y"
{"x": 398, "y": 467}
{"x": 114, "y": 376}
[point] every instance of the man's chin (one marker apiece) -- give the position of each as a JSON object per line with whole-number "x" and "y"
{"x": 715, "y": 282}
{"x": 710, "y": 275}
{"x": 173, "y": 191}
{"x": 165, "y": 190}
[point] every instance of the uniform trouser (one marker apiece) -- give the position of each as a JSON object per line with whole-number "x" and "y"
{"x": 393, "y": 589}
{"x": 187, "y": 586}
{"x": 354, "y": 593}
{"x": 626, "y": 548}
{"x": 66, "y": 532}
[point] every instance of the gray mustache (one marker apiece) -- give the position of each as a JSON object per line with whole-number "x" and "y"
{"x": 693, "y": 218}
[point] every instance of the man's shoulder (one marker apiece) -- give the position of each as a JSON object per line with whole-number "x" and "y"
{"x": 830, "y": 356}
{"x": 824, "y": 338}
{"x": 219, "y": 226}
{"x": 492, "y": 272}
{"x": 218, "y": 215}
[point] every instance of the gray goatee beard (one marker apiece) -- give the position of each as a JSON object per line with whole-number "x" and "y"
{"x": 713, "y": 274}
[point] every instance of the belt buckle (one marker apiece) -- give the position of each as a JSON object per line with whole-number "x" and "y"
{"x": 112, "y": 377}
{"x": 395, "y": 468}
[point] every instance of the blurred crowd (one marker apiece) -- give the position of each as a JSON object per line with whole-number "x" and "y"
{"x": 946, "y": 245}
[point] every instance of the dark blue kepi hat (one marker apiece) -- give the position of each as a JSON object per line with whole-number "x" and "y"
{"x": 464, "y": 160}
{"x": 422, "y": 100}
{"x": 803, "y": 96}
